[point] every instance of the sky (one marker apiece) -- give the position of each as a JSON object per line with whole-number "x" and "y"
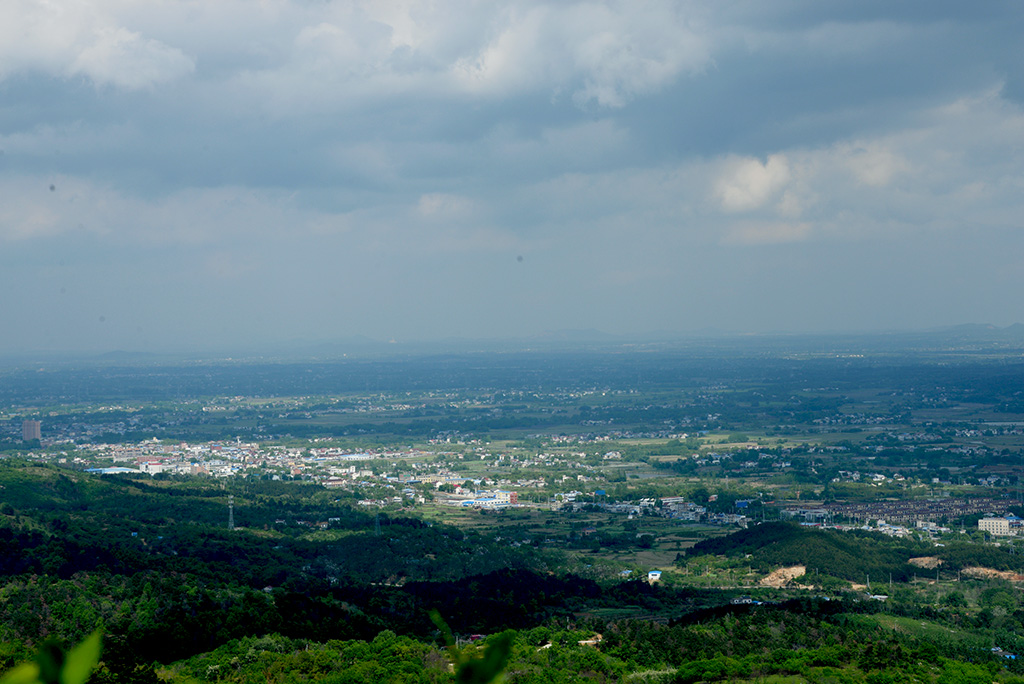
{"x": 181, "y": 175}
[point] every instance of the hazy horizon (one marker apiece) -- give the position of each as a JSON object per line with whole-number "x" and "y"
{"x": 950, "y": 339}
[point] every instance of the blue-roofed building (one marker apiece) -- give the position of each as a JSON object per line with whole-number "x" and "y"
{"x": 114, "y": 471}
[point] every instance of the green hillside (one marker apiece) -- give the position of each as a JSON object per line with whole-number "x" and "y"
{"x": 850, "y": 555}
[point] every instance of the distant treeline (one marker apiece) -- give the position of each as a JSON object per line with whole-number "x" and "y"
{"x": 997, "y": 381}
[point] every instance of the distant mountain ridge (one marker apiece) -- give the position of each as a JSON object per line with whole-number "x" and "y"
{"x": 1013, "y": 331}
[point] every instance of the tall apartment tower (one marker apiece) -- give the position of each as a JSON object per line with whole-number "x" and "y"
{"x": 31, "y": 429}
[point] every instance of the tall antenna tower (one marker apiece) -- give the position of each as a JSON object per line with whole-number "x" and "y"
{"x": 231, "y": 511}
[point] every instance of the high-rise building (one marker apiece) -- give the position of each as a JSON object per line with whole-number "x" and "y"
{"x": 31, "y": 429}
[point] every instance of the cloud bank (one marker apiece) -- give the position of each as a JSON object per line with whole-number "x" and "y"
{"x": 218, "y": 174}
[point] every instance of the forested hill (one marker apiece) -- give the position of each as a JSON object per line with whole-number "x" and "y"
{"x": 60, "y": 522}
{"x": 154, "y": 563}
{"x": 850, "y": 555}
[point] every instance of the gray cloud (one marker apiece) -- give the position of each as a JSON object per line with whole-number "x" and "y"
{"x": 228, "y": 172}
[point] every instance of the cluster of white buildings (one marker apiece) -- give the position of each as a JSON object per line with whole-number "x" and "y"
{"x": 227, "y": 459}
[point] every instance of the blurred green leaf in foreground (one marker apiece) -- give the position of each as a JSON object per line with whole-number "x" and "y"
{"x": 474, "y": 670}
{"x": 52, "y": 665}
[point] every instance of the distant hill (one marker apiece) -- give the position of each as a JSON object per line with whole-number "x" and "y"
{"x": 852, "y": 556}
{"x": 984, "y": 331}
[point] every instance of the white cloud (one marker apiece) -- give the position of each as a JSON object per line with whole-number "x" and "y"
{"x": 606, "y": 54}
{"x": 80, "y": 38}
{"x": 23, "y": 221}
{"x": 747, "y": 184}
{"x": 333, "y": 54}
{"x": 219, "y": 220}
{"x": 438, "y": 206}
{"x": 194, "y": 216}
{"x": 955, "y": 167}
{"x": 288, "y": 56}
{"x": 125, "y": 59}
{"x": 36, "y": 207}
{"x": 872, "y": 164}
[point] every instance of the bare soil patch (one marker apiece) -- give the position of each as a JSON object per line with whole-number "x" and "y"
{"x": 928, "y": 562}
{"x": 989, "y": 573}
{"x": 783, "y": 576}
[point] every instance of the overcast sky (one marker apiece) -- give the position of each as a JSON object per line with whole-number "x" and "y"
{"x": 187, "y": 174}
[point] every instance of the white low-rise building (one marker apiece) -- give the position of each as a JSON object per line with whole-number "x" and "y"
{"x": 997, "y": 527}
